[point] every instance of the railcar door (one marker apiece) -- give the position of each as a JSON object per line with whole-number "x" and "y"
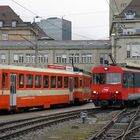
{"x": 12, "y": 91}
{"x": 71, "y": 90}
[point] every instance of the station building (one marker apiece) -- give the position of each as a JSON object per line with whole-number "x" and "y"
{"x": 85, "y": 54}
{"x": 26, "y": 44}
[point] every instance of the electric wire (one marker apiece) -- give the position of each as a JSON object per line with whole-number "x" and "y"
{"x": 49, "y": 22}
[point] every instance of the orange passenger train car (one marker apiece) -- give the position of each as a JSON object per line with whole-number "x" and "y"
{"x": 28, "y": 87}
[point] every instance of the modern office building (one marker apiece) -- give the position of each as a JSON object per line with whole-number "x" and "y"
{"x": 56, "y": 28}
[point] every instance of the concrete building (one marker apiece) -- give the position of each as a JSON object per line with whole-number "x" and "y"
{"x": 13, "y": 28}
{"x": 85, "y": 53}
{"x": 125, "y": 33}
{"x": 56, "y": 28}
{"x": 116, "y": 7}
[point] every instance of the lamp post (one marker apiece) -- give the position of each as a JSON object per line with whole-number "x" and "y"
{"x": 36, "y": 39}
{"x": 36, "y": 53}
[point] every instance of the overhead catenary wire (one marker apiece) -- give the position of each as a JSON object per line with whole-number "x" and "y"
{"x": 36, "y": 15}
{"x": 24, "y": 7}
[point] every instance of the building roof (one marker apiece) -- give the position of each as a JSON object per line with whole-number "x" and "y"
{"x": 7, "y": 15}
{"x": 53, "y": 44}
{"x": 134, "y": 6}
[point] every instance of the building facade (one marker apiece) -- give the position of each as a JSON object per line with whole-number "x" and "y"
{"x": 85, "y": 54}
{"x": 56, "y": 28}
{"x": 13, "y": 28}
{"x": 116, "y": 7}
{"x": 125, "y": 33}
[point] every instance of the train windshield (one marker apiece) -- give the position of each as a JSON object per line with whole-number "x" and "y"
{"x": 113, "y": 78}
{"x": 106, "y": 78}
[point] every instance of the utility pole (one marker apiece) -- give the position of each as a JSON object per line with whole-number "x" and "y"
{"x": 36, "y": 52}
{"x": 9, "y": 55}
{"x": 114, "y": 43}
{"x": 36, "y": 41}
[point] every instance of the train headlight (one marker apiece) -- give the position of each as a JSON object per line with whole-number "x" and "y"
{"x": 117, "y": 92}
{"x": 106, "y": 68}
{"x": 94, "y": 92}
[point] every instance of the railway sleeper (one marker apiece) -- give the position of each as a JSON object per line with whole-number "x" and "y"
{"x": 108, "y": 138}
{"x": 120, "y": 125}
{"x": 137, "y": 138}
{"x": 115, "y": 131}
{"x": 113, "y": 135}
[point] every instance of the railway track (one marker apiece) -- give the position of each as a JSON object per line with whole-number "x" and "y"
{"x": 121, "y": 127}
{"x": 16, "y": 128}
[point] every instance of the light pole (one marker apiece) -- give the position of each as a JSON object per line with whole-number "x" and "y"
{"x": 36, "y": 39}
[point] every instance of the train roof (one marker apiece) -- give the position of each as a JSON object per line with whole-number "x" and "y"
{"x": 118, "y": 68}
{"x": 49, "y": 70}
{"x": 12, "y": 67}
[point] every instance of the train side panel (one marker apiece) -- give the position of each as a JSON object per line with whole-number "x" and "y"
{"x": 43, "y": 98}
{"x": 27, "y": 88}
{"x": 82, "y": 88}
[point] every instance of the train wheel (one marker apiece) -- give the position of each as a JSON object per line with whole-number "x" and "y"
{"x": 134, "y": 103}
{"x": 76, "y": 102}
{"x": 122, "y": 104}
{"x": 104, "y": 106}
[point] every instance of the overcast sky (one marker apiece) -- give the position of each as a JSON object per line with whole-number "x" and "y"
{"x": 90, "y": 18}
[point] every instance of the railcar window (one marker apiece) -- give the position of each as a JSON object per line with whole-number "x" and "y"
{"x": 38, "y": 81}
{"x": 4, "y": 80}
{"x": 80, "y": 82}
{"x": 125, "y": 82}
{"x": 53, "y": 81}
{"x": 113, "y": 78}
{"x": 98, "y": 78}
{"x": 131, "y": 80}
{"x": 46, "y": 81}
{"x": 65, "y": 82}
{"x": 128, "y": 80}
{"x": 59, "y": 82}
{"x": 137, "y": 80}
{"x": 29, "y": 81}
{"x": 21, "y": 80}
{"x": 76, "y": 82}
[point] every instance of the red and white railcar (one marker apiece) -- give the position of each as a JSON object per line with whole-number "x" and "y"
{"x": 27, "y": 87}
{"x": 115, "y": 85}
